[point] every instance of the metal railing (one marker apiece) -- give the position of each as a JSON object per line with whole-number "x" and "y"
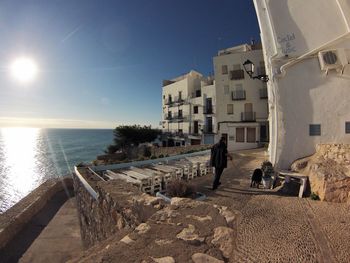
{"x": 238, "y": 95}
{"x": 248, "y": 116}
{"x": 208, "y": 110}
{"x": 208, "y": 129}
{"x": 236, "y": 74}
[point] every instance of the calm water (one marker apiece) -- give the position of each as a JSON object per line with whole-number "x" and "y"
{"x": 29, "y": 156}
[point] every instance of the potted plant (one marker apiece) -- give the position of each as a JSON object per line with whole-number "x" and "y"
{"x": 268, "y": 172}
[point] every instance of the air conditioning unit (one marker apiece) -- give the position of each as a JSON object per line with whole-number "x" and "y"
{"x": 332, "y": 59}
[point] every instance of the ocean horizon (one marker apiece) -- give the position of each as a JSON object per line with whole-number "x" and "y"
{"x": 30, "y": 156}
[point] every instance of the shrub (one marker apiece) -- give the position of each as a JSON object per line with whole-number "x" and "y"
{"x": 161, "y": 156}
{"x": 153, "y": 157}
{"x": 179, "y": 188}
{"x": 167, "y": 155}
{"x": 147, "y": 152}
{"x": 314, "y": 196}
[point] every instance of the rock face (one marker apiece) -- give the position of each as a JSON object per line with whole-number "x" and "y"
{"x": 329, "y": 171}
{"x": 184, "y": 231}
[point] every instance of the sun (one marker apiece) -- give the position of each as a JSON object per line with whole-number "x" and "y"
{"x": 24, "y": 69}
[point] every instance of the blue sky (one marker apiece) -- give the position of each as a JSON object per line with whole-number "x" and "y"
{"x": 102, "y": 62}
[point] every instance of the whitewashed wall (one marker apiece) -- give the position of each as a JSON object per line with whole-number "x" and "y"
{"x": 300, "y": 94}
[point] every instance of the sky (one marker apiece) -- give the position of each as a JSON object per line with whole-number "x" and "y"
{"x": 101, "y": 63}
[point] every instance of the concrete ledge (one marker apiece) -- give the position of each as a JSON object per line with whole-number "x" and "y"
{"x": 15, "y": 219}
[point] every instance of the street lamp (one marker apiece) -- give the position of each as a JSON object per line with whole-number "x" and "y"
{"x": 249, "y": 68}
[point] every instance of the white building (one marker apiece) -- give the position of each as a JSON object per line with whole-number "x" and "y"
{"x": 241, "y": 108}
{"x": 188, "y": 110}
{"x": 306, "y": 50}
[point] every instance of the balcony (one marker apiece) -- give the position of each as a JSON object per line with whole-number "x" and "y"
{"x": 168, "y": 117}
{"x": 208, "y": 129}
{"x": 248, "y": 116}
{"x": 237, "y": 74}
{"x": 238, "y": 95}
{"x": 168, "y": 102}
{"x": 208, "y": 110}
{"x": 179, "y": 100}
{"x": 263, "y": 93}
{"x": 180, "y": 117}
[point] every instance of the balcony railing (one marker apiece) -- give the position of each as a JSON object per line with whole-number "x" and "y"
{"x": 208, "y": 129}
{"x": 236, "y": 74}
{"x": 179, "y": 100}
{"x": 208, "y": 110}
{"x": 180, "y": 117}
{"x": 238, "y": 95}
{"x": 248, "y": 116}
{"x": 168, "y": 117}
{"x": 168, "y": 102}
{"x": 263, "y": 93}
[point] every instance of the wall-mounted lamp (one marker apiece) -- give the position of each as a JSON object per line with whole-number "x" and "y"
{"x": 249, "y": 68}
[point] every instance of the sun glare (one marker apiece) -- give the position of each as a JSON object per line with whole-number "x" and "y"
{"x": 24, "y": 69}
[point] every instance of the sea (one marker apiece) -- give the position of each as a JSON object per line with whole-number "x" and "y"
{"x": 30, "y": 156}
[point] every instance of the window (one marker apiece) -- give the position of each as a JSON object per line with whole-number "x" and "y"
{"x": 347, "y": 127}
{"x": 239, "y": 134}
{"x": 251, "y": 135}
{"x": 236, "y": 67}
{"x": 229, "y": 108}
{"x": 224, "y": 70}
{"x": 180, "y": 113}
{"x": 226, "y": 90}
{"x": 163, "y": 97}
{"x": 198, "y": 93}
{"x": 195, "y": 109}
{"x": 180, "y": 95}
{"x": 315, "y": 129}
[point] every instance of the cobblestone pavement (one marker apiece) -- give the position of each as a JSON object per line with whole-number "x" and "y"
{"x": 277, "y": 228}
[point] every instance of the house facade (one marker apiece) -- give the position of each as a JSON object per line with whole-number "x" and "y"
{"x": 241, "y": 108}
{"x": 188, "y": 110}
{"x": 306, "y": 51}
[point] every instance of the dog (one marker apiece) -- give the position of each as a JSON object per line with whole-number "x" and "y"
{"x": 256, "y": 178}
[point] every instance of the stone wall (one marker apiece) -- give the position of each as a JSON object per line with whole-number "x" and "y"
{"x": 16, "y": 218}
{"x": 119, "y": 208}
{"x": 184, "y": 231}
{"x": 329, "y": 171}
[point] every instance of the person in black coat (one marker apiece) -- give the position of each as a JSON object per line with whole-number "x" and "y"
{"x": 218, "y": 159}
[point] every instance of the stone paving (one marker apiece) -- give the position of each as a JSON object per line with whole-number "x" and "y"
{"x": 277, "y": 228}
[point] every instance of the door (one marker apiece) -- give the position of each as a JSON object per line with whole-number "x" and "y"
{"x": 195, "y": 127}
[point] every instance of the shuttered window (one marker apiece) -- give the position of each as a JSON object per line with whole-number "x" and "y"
{"x": 230, "y": 109}
{"x": 347, "y": 127}
{"x": 239, "y": 134}
{"x": 315, "y": 129}
{"x": 251, "y": 135}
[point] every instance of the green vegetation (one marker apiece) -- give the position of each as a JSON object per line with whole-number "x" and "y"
{"x": 314, "y": 196}
{"x": 129, "y": 136}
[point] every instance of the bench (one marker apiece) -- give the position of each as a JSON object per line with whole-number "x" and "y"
{"x": 302, "y": 178}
